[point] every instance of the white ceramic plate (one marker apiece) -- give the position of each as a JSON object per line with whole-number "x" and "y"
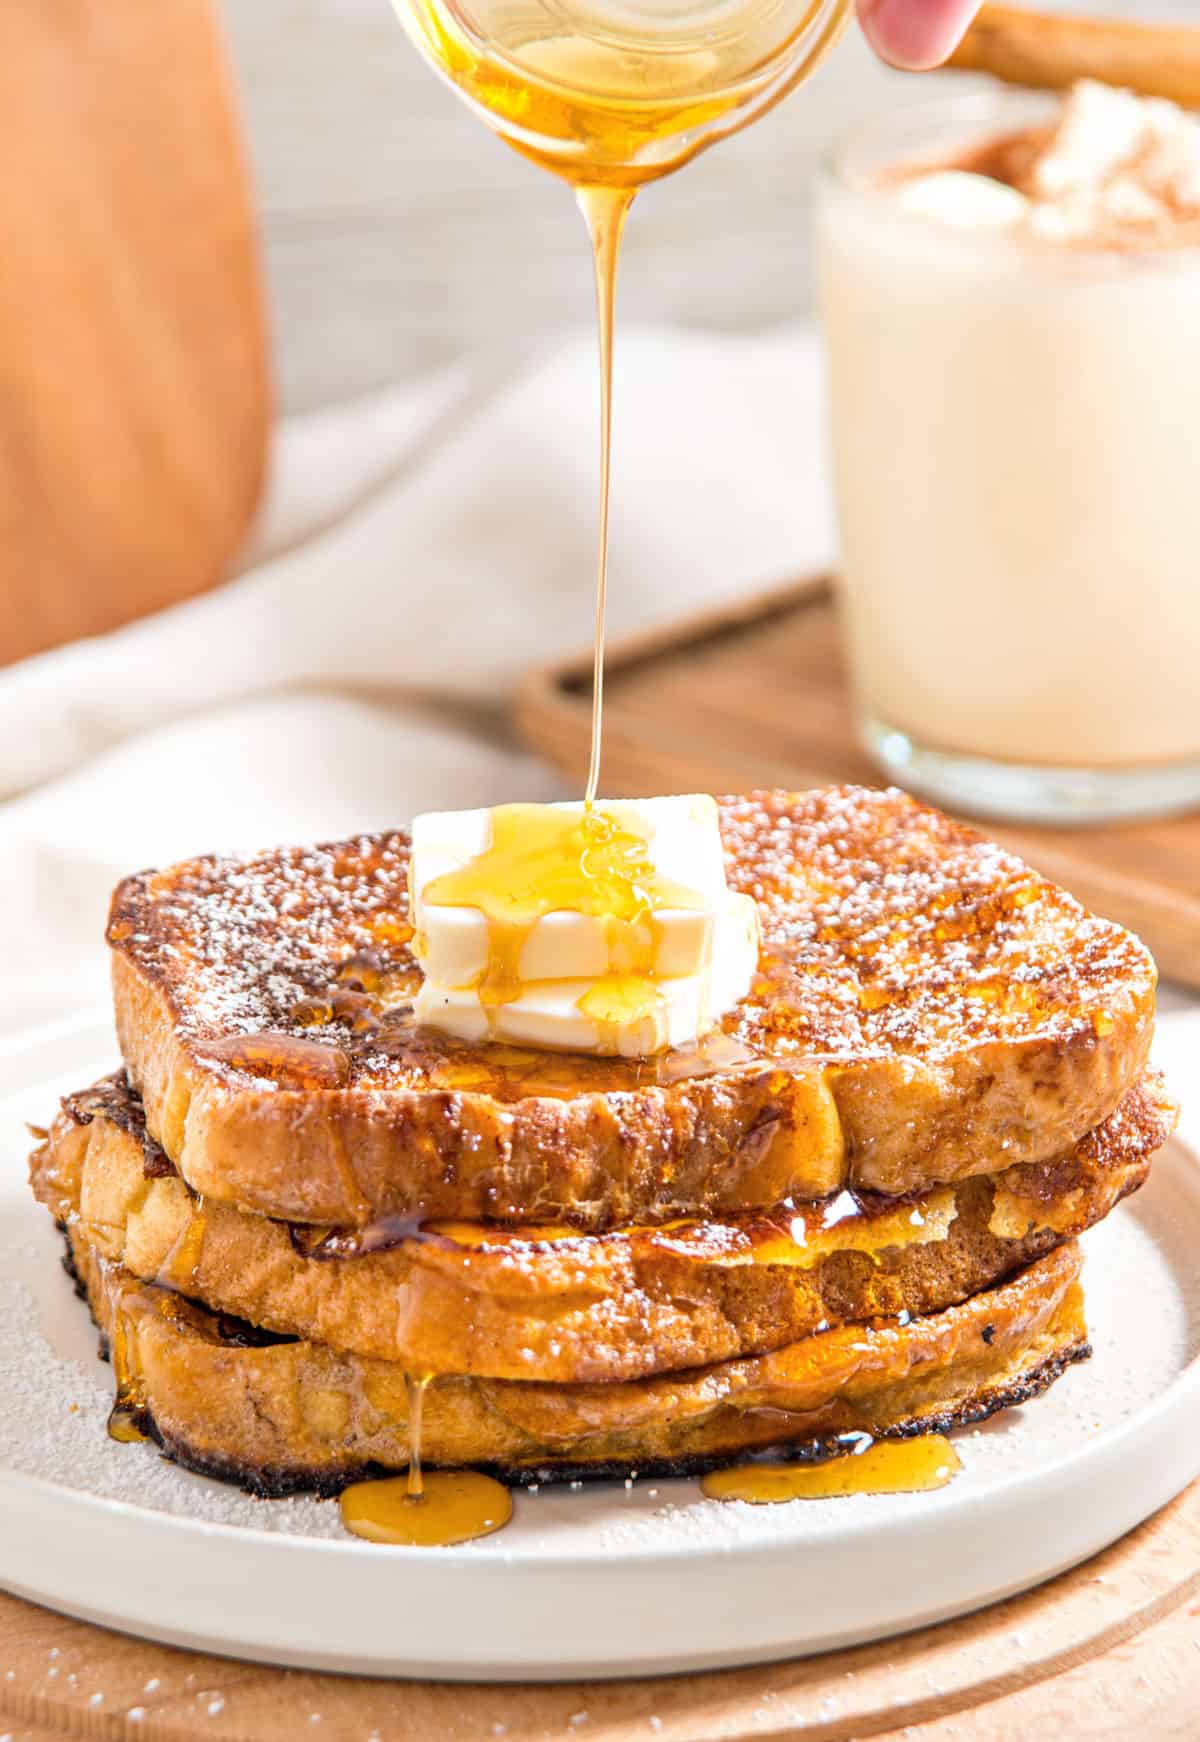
{"x": 602, "y": 1581}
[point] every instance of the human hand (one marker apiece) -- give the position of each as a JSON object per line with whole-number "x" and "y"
{"x": 915, "y": 34}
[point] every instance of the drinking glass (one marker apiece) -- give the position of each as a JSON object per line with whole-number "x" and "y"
{"x": 1014, "y": 430}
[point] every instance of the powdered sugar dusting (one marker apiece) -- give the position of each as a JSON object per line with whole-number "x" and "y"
{"x": 55, "y": 1427}
{"x": 888, "y": 929}
{"x": 237, "y": 942}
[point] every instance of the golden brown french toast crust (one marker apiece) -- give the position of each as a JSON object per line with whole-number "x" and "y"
{"x": 1019, "y": 1384}
{"x": 280, "y": 1414}
{"x": 559, "y": 1305}
{"x": 926, "y": 1007}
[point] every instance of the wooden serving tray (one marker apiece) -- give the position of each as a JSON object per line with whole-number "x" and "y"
{"x": 755, "y": 695}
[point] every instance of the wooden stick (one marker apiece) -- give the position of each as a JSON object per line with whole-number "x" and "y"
{"x": 1049, "y": 51}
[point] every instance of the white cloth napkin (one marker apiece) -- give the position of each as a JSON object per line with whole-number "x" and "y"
{"x": 418, "y": 551}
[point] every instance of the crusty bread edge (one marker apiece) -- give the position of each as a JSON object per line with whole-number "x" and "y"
{"x": 268, "y": 1413}
{"x": 349, "y": 1156}
{"x": 561, "y": 1312}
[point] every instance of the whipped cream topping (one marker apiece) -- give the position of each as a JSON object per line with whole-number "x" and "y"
{"x": 1113, "y": 170}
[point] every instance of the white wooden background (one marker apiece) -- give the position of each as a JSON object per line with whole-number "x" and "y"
{"x": 399, "y": 232}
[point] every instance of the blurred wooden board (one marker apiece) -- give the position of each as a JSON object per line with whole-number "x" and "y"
{"x": 756, "y": 696}
{"x": 135, "y": 401}
{"x": 1019, "y": 1652}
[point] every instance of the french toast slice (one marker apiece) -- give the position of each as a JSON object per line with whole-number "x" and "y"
{"x": 558, "y": 1305}
{"x": 926, "y": 1008}
{"x": 286, "y": 1415}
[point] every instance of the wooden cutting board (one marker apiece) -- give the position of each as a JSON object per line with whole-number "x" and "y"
{"x": 756, "y": 695}
{"x": 134, "y": 396}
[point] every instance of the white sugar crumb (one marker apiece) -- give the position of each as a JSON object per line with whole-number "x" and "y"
{"x": 152, "y": 1686}
{"x": 135, "y": 1714}
{"x": 96, "y": 1699}
{"x": 216, "y": 1705}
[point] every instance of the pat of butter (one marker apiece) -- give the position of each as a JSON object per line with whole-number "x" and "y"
{"x": 615, "y": 933}
{"x": 563, "y": 945}
{"x": 641, "y": 1017}
{"x": 683, "y": 846}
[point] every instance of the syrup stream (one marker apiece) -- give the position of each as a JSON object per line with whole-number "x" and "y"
{"x": 605, "y": 210}
{"x": 416, "y": 1389}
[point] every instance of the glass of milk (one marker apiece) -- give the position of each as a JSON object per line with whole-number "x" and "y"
{"x": 1015, "y": 399}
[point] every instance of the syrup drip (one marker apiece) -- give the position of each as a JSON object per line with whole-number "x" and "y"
{"x": 865, "y": 1466}
{"x": 342, "y": 1004}
{"x": 129, "y": 1400}
{"x": 420, "y": 1510}
{"x": 180, "y": 1266}
{"x": 352, "y": 1192}
{"x": 122, "y": 1427}
{"x": 799, "y": 1235}
{"x": 616, "y": 1001}
{"x": 287, "y": 1060}
{"x": 416, "y": 1389}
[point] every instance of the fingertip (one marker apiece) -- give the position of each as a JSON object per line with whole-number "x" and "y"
{"x": 915, "y": 35}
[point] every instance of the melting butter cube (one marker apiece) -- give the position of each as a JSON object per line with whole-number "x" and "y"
{"x": 608, "y": 931}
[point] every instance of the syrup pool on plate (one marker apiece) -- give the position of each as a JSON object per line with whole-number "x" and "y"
{"x": 425, "y": 1509}
{"x": 864, "y": 1466}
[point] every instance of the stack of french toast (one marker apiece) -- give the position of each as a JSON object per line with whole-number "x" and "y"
{"x": 850, "y": 1208}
